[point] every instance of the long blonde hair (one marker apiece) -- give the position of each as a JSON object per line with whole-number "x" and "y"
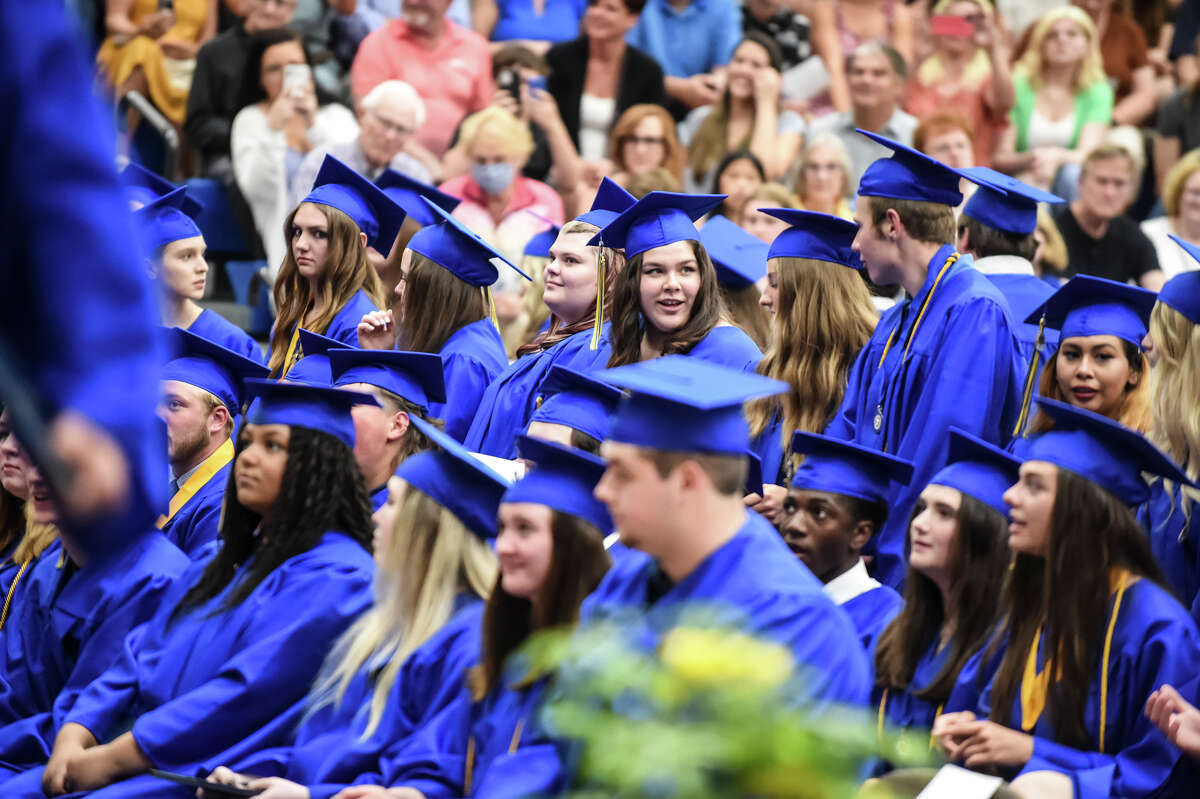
{"x": 1134, "y": 410}
{"x": 38, "y": 537}
{"x": 1175, "y": 384}
{"x": 1090, "y": 70}
{"x": 823, "y": 318}
{"x": 346, "y": 271}
{"x": 431, "y": 559}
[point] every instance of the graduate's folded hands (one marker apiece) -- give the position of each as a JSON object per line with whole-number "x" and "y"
{"x": 979, "y": 743}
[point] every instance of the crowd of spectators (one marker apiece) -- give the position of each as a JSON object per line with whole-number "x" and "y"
{"x": 521, "y": 107}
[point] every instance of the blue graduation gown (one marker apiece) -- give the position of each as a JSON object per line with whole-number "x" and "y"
{"x": 904, "y": 709}
{"x": 1025, "y": 294}
{"x": 872, "y": 611}
{"x": 1154, "y": 642}
{"x": 379, "y": 497}
{"x": 219, "y": 330}
{"x": 763, "y": 590}
{"x": 69, "y": 629}
{"x": 511, "y": 398}
{"x": 729, "y": 346}
{"x": 961, "y": 369}
{"x": 1173, "y": 541}
{"x": 768, "y": 446}
{"x": 193, "y": 687}
{"x": 198, "y": 522}
{"x": 472, "y": 358}
{"x": 344, "y": 325}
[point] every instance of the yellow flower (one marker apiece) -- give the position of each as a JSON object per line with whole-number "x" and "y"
{"x": 714, "y": 657}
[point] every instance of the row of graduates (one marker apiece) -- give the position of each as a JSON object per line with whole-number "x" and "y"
{"x": 664, "y": 226}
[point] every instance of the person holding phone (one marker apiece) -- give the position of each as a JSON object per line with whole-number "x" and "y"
{"x": 274, "y": 131}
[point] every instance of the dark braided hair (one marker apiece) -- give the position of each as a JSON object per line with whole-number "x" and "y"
{"x": 322, "y": 489}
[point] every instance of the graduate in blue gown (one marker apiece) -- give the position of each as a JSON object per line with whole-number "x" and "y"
{"x": 242, "y": 636}
{"x": 574, "y": 409}
{"x": 957, "y": 559}
{"x": 68, "y": 620}
{"x": 1090, "y": 630}
{"x": 579, "y": 282}
{"x": 326, "y": 283}
{"x": 201, "y": 398}
{"x": 741, "y": 262}
{"x": 174, "y": 249}
{"x": 405, "y": 659}
{"x": 945, "y": 355}
{"x": 667, "y": 299}
{"x": 313, "y": 365}
{"x": 810, "y": 266}
{"x": 488, "y": 741}
{"x": 406, "y": 385}
{"x": 1099, "y": 364}
{"x": 674, "y": 484}
{"x": 838, "y": 499}
{"x": 996, "y": 227}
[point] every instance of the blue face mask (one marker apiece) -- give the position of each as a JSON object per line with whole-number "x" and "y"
{"x": 493, "y": 178}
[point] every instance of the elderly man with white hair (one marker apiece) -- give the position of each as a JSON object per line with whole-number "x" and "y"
{"x": 388, "y": 116}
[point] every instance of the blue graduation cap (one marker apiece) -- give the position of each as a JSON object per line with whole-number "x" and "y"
{"x": 1003, "y": 202}
{"x": 979, "y": 469}
{"x": 659, "y": 218}
{"x": 416, "y": 376}
{"x": 1094, "y": 306}
{"x": 843, "y": 467}
{"x": 313, "y": 366}
{"x": 580, "y": 401}
{"x": 563, "y": 478}
{"x": 340, "y": 187}
{"x": 1182, "y": 292}
{"x": 201, "y": 363}
{"x": 607, "y": 205}
{"x": 909, "y": 175}
{"x": 452, "y": 245}
{"x": 539, "y": 246}
{"x": 456, "y": 480}
{"x": 821, "y": 237}
{"x": 320, "y": 408}
{"x": 166, "y": 219}
{"x": 754, "y": 475}
{"x": 143, "y": 187}
{"x": 740, "y": 259}
{"x": 407, "y": 192}
{"x": 685, "y": 404}
{"x": 1106, "y": 452}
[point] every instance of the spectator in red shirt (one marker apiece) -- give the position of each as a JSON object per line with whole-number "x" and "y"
{"x": 448, "y": 65}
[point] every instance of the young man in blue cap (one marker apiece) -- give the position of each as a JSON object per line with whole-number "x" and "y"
{"x": 837, "y": 502}
{"x": 674, "y": 484}
{"x": 944, "y": 356}
{"x": 201, "y": 396}
{"x": 996, "y": 228}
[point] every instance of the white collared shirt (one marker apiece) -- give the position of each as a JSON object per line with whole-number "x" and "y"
{"x": 851, "y": 583}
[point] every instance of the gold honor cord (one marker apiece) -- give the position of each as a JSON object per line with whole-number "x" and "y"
{"x": 12, "y": 590}
{"x": 883, "y": 716}
{"x": 601, "y": 262}
{"x": 491, "y": 306}
{"x": 294, "y": 353}
{"x": 469, "y": 768}
{"x": 1031, "y": 378}
{"x": 220, "y": 458}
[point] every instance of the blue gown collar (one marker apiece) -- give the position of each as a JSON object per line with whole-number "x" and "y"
{"x": 935, "y": 266}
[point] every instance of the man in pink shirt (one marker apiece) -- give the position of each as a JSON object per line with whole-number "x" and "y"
{"x": 448, "y": 65}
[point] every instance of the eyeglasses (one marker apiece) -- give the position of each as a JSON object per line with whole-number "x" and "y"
{"x": 402, "y": 131}
{"x": 280, "y": 3}
{"x": 649, "y": 141}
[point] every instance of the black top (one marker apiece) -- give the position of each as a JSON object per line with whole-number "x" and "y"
{"x": 216, "y": 93}
{"x": 1123, "y": 254}
{"x": 641, "y": 81}
{"x": 790, "y": 30}
{"x": 1179, "y": 118}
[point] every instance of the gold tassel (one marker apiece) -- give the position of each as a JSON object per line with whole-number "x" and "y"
{"x": 491, "y": 303}
{"x": 1031, "y": 378}
{"x": 598, "y": 324}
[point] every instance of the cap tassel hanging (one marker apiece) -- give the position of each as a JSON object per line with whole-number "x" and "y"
{"x": 1031, "y": 378}
{"x": 601, "y": 271}
{"x": 491, "y": 305}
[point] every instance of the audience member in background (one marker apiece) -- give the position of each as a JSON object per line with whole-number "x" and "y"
{"x": 448, "y": 65}
{"x": 948, "y": 136}
{"x": 1181, "y": 201}
{"x": 692, "y": 40}
{"x": 273, "y": 133}
{"x": 1050, "y": 258}
{"x": 875, "y": 73}
{"x": 800, "y": 38}
{"x": 151, "y": 49}
{"x": 1100, "y": 239}
{"x": 823, "y": 180}
{"x": 748, "y": 116}
{"x": 861, "y": 22}
{"x": 737, "y": 176}
{"x": 761, "y": 225}
{"x": 657, "y": 179}
{"x": 536, "y": 26}
{"x": 968, "y": 72}
{"x": 1178, "y": 127}
{"x": 1063, "y": 100}
{"x": 596, "y": 78}
{"x": 389, "y": 117}
{"x": 643, "y": 140}
{"x": 499, "y": 203}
